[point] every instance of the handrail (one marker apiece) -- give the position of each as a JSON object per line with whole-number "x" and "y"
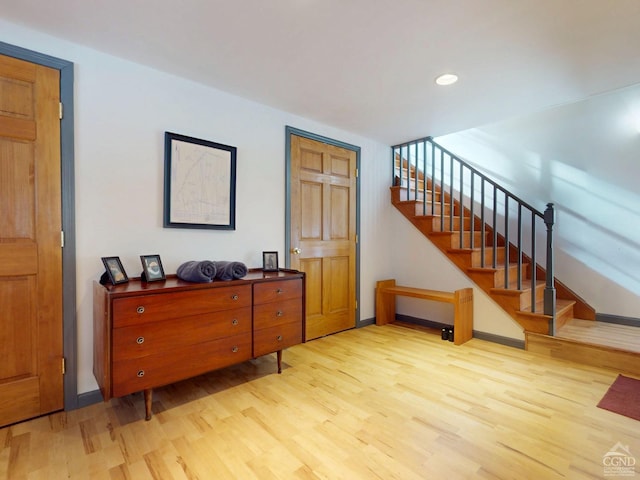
{"x": 452, "y": 206}
{"x": 472, "y": 168}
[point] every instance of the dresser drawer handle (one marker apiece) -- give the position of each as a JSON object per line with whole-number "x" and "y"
{"x": 140, "y": 340}
{"x": 234, "y": 349}
{"x": 140, "y": 373}
{"x": 234, "y": 297}
{"x": 279, "y": 338}
{"x": 279, "y": 291}
{"x": 140, "y": 309}
{"x": 234, "y": 321}
{"x": 279, "y": 313}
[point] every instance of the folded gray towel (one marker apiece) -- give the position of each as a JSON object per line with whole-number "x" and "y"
{"x": 230, "y": 270}
{"x": 194, "y": 271}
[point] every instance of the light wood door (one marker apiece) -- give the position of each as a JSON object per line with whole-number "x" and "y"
{"x": 31, "y": 381}
{"x": 323, "y": 232}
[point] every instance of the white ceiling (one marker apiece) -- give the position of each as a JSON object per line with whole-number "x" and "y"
{"x": 368, "y": 66}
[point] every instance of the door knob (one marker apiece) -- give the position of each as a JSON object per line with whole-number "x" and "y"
{"x": 296, "y": 251}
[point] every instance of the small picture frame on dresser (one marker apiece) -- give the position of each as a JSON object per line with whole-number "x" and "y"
{"x": 151, "y": 268}
{"x": 114, "y": 271}
{"x": 269, "y": 261}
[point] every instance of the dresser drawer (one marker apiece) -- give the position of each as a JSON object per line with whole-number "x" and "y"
{"x": 271, "y": 314}
{"x": 268, "y": 292}
{"x": 137, "y": 374}
{"x": 276, "y": 338}
{"x": 151, "y": 308}
{"x": 152, "y": 338}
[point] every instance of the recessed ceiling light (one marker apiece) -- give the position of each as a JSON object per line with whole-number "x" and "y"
{"x": 447, "y": 79}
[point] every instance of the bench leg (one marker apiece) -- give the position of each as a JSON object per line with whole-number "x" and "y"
{"x": 385, "y": 303}
{"x": 463, "y": 316}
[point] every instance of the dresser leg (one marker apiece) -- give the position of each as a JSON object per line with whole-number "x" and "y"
{"x": 148, "y": 395}
{"x": 279, "y": 356}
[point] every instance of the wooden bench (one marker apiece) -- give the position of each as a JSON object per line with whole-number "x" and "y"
{"x": 462, "y": 300}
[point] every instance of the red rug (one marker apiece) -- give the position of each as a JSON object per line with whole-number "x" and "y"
{"x": 623, "y": 397}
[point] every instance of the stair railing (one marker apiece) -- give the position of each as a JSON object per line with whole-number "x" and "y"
{"x": 448, "y": 187}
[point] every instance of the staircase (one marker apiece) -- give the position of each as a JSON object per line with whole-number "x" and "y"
{"x": 499, "y": 241}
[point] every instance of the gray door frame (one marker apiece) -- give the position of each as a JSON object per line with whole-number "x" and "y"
{"x": 289, "y": 131}
{"x": 71, "y": 400}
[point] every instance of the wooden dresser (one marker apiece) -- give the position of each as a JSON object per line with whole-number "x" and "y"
{"x": 151, "y": 334}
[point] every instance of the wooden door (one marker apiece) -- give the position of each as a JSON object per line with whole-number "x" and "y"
{"x": 323, "y": 232}
{"x": 31, "y": 381}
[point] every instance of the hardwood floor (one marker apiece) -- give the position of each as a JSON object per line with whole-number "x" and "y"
{"x": 381, "y": 402}
{"x": 613, "y": 335}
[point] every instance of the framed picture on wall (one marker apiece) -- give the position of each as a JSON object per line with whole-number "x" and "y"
{"x": 270, "y": 261}
{"x": 199, "y": 183}
{"x": 152, "y": 268}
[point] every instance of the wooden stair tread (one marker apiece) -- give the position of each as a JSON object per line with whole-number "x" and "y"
{"x": 618, "y": 360}
{"x": 526, "y": 288}
{"x": 436, "y": 217}
{"x": 622, "y": 337}
{"x": 456, "y": 232}
{"x": 419, "y": 201}
{"x": 430, "y": 216}
{"x": 446, "y": 216}
{"x": 561, "y": 306}
{"x": 471, "y": 250}
{"x": 490, "y": 269}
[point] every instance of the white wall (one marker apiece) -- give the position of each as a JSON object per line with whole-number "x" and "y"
{"x": 122, "y": 110}
{"x": 421, "y": 264}
{"x": 583, "y": 157}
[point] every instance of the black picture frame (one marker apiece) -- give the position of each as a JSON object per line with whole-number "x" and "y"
{"x": 199, "y": 183}
{"x": 152, "y": 270}
{"x": 270, "y": 261}
{"x": 114, "y": 270}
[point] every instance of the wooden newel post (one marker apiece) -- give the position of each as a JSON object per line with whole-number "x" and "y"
{"x": 550, "y": 290}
